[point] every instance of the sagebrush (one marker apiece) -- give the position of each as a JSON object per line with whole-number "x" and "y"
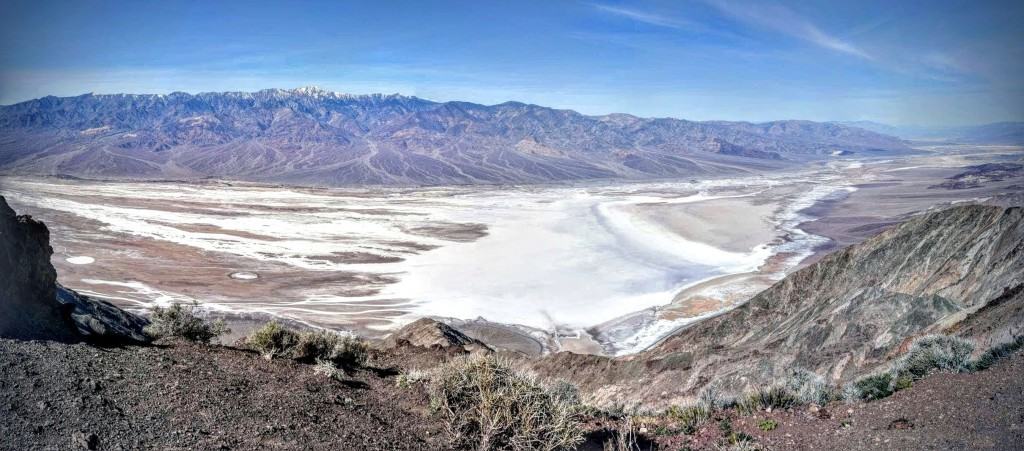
{"x": 997, "y": 353}
{"x": 272, "y": 340}
{"x": 488, "y": 405}
{"x": 179, "y": 321}
{"x": 928, "y": 354}
{"x": 767, "y": 398}
{"x": 341, "y": 349}
{"x": 809, "y": 388}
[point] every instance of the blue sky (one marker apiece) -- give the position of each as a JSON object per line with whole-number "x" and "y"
{"x": 906, "y": 62}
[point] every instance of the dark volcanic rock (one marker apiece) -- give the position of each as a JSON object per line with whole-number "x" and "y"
{"x": 101, "y": 321}
{"x": 28, "y": 283}
{"x": 34, "y": 306}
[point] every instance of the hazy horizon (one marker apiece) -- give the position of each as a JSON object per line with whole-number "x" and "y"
{"x": 921, "y": 64}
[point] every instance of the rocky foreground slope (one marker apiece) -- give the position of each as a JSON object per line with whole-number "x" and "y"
{"x": 92, "y": 385}
{"x": 958, "y": 270}
{"x": 312, "y": 136}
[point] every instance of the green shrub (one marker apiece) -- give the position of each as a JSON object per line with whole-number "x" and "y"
{"x": 690, "y": 418}
{"x": 928, "y": 354}
{"x": 767, "y": 398}
{"x": 809, "y": 388}
{"x": 768, "y": 425}
{"x": 934, "y": 353}
{"x": 183, "y": 322}
{"x": 272, "y": 340}
{"x": 902, "y": 383}
{"x": 487, "y": 405}
{"x": 873, "y": 386}
{"x": 343, "y": 350}
{"x": 997, "y": 353}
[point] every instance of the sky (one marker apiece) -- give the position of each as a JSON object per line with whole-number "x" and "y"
{"x": 898, "y": 62}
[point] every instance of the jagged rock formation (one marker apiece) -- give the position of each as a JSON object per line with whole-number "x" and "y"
{"x": 28, "y": 283}
{"x": 312, "y": 136}
{"x": 428, "y": 333}
{"x": 101, "y": 321}
{"x": 34, "y": 306}
{"x": 959, "y": 270}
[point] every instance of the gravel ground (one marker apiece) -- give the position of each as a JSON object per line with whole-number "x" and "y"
{"x": 186, "y": 396}
{"x": 983, "y": 410}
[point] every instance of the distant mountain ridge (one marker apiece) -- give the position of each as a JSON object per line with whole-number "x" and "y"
{"x": 996, "y": 133}
{"x": 313, "y": 136}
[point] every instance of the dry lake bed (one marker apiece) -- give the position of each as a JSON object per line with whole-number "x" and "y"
{"x": 600, "y": 267}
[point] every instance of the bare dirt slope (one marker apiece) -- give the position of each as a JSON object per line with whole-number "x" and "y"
{"x": 187, "y": 396}
{"x": 983, "y": 410}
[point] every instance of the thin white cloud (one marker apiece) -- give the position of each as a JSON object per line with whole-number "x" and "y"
{"x": 777, "y": 18}
{"x": 645, "y": 17}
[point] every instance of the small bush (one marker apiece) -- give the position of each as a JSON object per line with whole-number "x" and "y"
{"x": 997, "y": 353}
{"x": 736, "y": 438}
{"x": 874, "y": 386}
{"x": 487, "y": 405}
{"x": 809, "y": 388}
{"x": 767, "y": 398}
{"x": 690, "y": 418}
{"x": 343, "y": 350}
{"x": 183, "y": 322}
{"x": 272, "y": 340}
{"x": 927, "y": 355}
{"x": 712, "y": 399}
{"x": 327, "y": 369}
{"x": 934, "y": 353}
{"x": 768, "y": 425}
{"x": 902, "y": 383}
{"x": 412, "y": 377}
{"x": 743, "y": 445}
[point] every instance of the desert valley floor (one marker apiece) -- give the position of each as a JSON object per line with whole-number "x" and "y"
{"x": 600, "y": 267}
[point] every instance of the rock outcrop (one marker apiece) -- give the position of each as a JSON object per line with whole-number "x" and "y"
{"x": 428, "y": 333}
{"x": 34, "y": 306}
{"x": 28, "y": 283}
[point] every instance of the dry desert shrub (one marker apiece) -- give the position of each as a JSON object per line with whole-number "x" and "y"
{"x": 488, "y": 405}
{"x": 341, "y": 349}
{"x": 272, "y": 340}
{"x": 179, "y": 321}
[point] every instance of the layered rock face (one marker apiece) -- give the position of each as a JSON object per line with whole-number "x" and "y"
{"x": 959, "y": 271}
{"x": 847, "y": 312}
{"x": 33, "y": 306}
{"x": 28, "y": 283}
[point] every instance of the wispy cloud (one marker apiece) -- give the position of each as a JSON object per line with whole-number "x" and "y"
{"x": 778, "y": 18}
{"x": 645, "y": 17}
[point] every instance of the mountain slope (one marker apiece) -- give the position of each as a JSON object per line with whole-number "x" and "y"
{"x": 996, "y": 133}
{"x": 312, "y": 136}
{"x": 959, "y": 270}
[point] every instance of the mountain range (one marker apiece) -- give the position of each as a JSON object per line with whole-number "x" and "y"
{"x": 996, "y": 133}
{"x": 312, "y": 136}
